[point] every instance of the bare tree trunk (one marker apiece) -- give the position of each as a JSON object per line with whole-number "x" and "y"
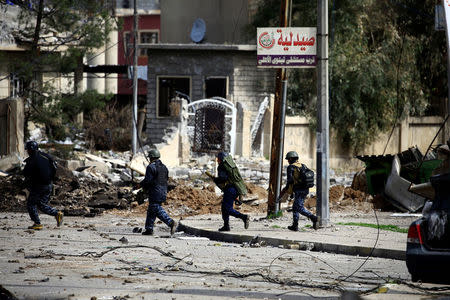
{"x": 30, "y": 80}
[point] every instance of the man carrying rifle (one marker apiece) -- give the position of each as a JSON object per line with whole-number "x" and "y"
{"x": 229, "y": 180}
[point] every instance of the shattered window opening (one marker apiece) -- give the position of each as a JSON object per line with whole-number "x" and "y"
{"x": 167, "y": 90}
{"x": 216, "y": 87}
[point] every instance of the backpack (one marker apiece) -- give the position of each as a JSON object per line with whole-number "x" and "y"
{"x": 234, "y": 177}
{"x": 303, "y": 176}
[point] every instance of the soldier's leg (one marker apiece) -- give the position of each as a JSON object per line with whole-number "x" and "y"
{"x": 295, "y": 213}
{"x": 306, "y": 212}
{"x": 163, "y": 216}
{"x": 301, "y": 208}
{"x": 225, "y": 216}
{"x": 44, "y": 197}
{"x": 32, "y": 202}
{"x": 228, "y": 200}
{"x": 151, "y": 216}
{"x": 296, "y": 207}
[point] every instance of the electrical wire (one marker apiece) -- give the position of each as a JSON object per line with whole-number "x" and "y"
{"x": 237, "y": 21}
{"x": 397, "y": 113}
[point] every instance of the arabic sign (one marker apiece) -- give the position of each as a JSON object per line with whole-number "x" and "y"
{"x": 286, "y": 47}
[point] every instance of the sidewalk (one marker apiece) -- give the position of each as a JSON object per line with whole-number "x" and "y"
{"x": 336, "y": 238}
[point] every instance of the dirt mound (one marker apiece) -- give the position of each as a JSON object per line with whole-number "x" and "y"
{"x": 188, "y": 200}
{"x": 344, "y": 198}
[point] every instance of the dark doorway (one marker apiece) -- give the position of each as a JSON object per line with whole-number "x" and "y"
{"x": 215, "y": 87}
{"x": 169, "y": 88}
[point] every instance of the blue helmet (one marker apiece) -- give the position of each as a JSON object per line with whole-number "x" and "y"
{"x": 32, "y": 146}
{"x": 221, "y": 155}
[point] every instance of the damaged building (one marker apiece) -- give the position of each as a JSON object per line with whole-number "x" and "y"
{"x": 213, "y": 95}
{"x": 205, "y": 93}
{"x": 11, "y": 105}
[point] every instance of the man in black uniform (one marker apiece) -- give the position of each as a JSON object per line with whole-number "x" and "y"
{"x": 232, "y": 187}
{"x": 155, "y": 182}
{"x": 39, "y": 171}
{"x": 294, "y": 185}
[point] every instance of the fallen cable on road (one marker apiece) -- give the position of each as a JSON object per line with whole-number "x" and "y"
{"x": 51, "y": 254}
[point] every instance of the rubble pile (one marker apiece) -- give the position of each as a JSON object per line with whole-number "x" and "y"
{"x": 88, "y": 184}
{"x": 342, "y": 198}
{"x": 76, "y": 196}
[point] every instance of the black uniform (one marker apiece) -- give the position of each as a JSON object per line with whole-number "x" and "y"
{"x": 39, "y": 172}
{"x": 155, "y": 182}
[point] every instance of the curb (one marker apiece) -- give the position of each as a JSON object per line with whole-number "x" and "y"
{"x": 303, "y": 245}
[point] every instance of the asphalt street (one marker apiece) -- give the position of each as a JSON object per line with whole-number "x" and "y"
{"x": 101, "y": 257}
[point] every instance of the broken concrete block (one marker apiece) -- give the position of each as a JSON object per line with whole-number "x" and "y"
{"x": 125, "y": 175}
{"x": 194, "y": 173}
{"x": 73, "y": 164}
{"x": 102, "y": 167}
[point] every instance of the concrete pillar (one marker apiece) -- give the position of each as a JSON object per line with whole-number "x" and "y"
{"x": 246, "y": 136}
{"x": 111, "y": 59}
{"x": 184, "y": 142}
{"x": 96, "y": 81}
{"x": 404, "y": 135}
{"x": 243, "y": 136}
{"x": 239, "y": 126}
{"x": 267, "y": 129}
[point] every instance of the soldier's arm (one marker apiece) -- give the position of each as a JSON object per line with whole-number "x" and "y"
{"x": 149, "y": 175}
{"x": 289, "y": 182}
{"x": 222, "y": 176}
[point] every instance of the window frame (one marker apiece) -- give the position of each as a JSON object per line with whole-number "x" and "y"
{"x": 15, "y": 86}
{"x": 142, "y": 52}
{"x": 158, "y": 77}
{"x": 227, "y": 82}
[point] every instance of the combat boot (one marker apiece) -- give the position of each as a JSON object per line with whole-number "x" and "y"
{"x": 225, "y": 227}
{"x": 173, "y": 227}
{"x": 246, "y": 220}
{"x": 294, "y": 226}
{"x": 314, "y": 220}
{"x": 59, "y": 218}
{"x": 147, "y": 232}
{"x": 36, "y": 226}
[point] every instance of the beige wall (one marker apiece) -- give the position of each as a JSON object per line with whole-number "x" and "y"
{"x": 411, "y": 132}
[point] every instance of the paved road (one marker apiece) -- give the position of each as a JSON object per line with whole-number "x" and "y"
{"x": 85, "y": 258}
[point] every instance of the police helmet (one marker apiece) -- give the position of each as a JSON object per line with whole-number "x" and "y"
{"x": 291, "y": 154}
{"x": 31, "y": 146}
{"x": 221, "y": 155}
{"x": 154, "y": 153}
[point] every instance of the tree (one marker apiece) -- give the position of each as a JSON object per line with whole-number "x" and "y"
{"x": 385, "y": 64}
{"x": 58, "y": 33}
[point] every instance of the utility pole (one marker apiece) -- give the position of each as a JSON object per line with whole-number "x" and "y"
{"x": 322, "y": 163}
{"x": 135, "y": 80}
{"x": 276, "y": 155}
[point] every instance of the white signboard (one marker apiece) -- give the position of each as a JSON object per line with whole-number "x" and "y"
{"x": 286, "y": 47}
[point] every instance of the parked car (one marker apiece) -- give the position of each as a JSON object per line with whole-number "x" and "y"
{"x": 428, "y": 242}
